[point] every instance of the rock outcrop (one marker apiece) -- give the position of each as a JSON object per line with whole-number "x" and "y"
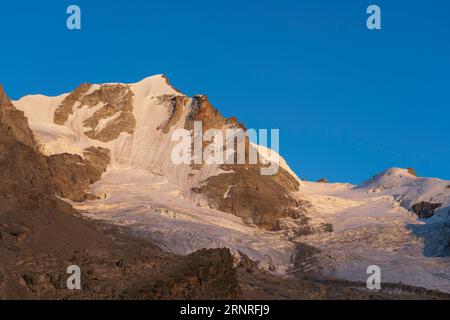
{"x": 25, "y": 180}
{"x": 66, "y": 108}
{"x": 175, "y": 105}
{"x": 112, "y": 110}
{"x": 425, "y": 210}
{"x": 74, "y": 174}
{"x": 259, "y": 200}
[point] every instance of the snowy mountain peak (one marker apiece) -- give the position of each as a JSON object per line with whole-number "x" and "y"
{"x": 423, "y": 196}
{"x": 390, "y": 178}
{"x": 156, "y": 85}
{"x": 132, "y": 126}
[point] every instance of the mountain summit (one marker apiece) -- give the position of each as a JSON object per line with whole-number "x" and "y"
{"x": 106, "y": 150}
{"x": 129, "y": 127}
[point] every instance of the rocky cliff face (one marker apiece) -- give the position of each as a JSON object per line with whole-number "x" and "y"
{"x": 31, "y": 180}
{"x": 74, "y": 174}
{"x": 25, "y": 177}
{"x": 261, "y": 200}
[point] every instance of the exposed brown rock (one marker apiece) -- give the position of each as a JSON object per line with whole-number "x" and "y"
{"x": 98, "y": 158}
{"x": 74, "y": 174}
{"x": 117, "y": 100}
{"x": 63, "y": 112}
{"x": 30, "y": 180}
{"x": 425, "y": 210}
{"x": 323, "y": 180}
{"x": 202, "y": 274}
{"x": 175, "y": 106}
{"x": 25, "y": 180}
{"x": 261, "y": 200}
{"x": 113, "y": 265}
{"x": 13, "y": 124}
{"x": 211, "y": 118}
{"x": 17, "y": 231}
{"x": 412, "y": 171}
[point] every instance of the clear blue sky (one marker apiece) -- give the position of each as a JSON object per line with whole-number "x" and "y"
{"x": 349, "y": 102}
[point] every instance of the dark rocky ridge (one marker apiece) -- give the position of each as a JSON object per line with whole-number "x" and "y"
{"x": 425, "y": 210}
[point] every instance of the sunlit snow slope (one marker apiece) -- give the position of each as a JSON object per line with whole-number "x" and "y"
{"x": 372, "y": 226}
{"x": 150, "y": 196}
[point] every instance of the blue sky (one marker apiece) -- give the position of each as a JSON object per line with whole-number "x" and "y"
{"x": 349, "y": 102}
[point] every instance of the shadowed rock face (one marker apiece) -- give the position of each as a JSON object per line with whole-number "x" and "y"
{"x": 30, "y": 180}
{"x": 13, "y": 124}
{"x": 36, "y": 247}
{"x": 202, "y": 274}
{"x": 260, "y": 200}
{"x": 175, "y": 106}
{"x": 24, "y": 175}
{"x": 74, "y": 174}
{"x": 425, "y": 210}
